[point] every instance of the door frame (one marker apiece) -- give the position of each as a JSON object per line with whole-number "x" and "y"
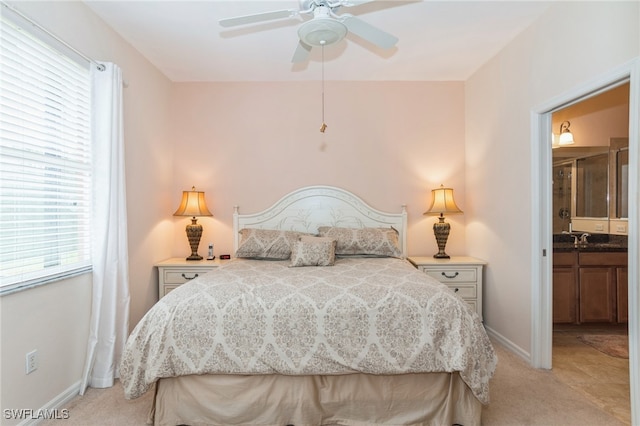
{"x": 541, "y": 229}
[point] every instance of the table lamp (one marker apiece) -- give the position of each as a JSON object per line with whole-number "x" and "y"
{"x": 442, "y": 202}
{"x": 193, "y": 205}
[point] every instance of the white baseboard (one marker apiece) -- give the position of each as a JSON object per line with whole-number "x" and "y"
{"x": 509, "y": 344}
{"x": 56, "y": 403}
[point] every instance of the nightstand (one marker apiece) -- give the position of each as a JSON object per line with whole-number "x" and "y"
{"x": 462, "y": 274}
{"x": 176, "y": 271}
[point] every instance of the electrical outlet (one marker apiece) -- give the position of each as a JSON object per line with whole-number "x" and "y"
{"x": 31, "y": 362}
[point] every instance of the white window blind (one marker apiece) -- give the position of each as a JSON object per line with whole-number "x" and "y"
{"x": 45, "y": 162}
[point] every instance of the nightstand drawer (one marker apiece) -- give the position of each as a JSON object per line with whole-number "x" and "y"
{"x": 176, "y": 271}
{"x": 181, "y": 276}
{"x": 473, "y": 304}
{"x": 168, "y": 288}
{"x": 464, "y": 291}
{"x": 458, "y": 275}
{"x": 461, "y": 274}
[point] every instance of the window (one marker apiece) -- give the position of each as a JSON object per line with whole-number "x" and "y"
{"x": 45, "y": 162}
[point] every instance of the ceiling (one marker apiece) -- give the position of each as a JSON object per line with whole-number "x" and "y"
{"x": 438, "y": 40}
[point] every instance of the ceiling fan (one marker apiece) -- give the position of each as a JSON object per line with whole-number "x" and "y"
{"x": 324, "y": 28}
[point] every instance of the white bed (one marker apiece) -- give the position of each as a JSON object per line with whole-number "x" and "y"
{"x": 308, "y": 208}
{"x": 368, "y": 340}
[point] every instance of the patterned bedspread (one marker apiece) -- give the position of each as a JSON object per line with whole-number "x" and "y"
{"x": 362, "y": 315}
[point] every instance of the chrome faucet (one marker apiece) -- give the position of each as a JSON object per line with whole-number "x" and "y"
{"x": 575, "y": 237}
{"x": 583, "y": 238}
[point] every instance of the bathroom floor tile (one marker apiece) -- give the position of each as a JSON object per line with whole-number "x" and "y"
{"x": 601, "y": 378}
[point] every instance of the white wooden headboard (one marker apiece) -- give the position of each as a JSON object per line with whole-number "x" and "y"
{"x": 307, "y": 208}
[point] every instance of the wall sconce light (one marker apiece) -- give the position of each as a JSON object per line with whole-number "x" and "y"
{"x": 193, "y": 205}
{"x": 442, "y": 202}
{"x": 566, "y": 137}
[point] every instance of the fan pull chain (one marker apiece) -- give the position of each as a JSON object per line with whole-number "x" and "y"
{"x": 324, "y": 125}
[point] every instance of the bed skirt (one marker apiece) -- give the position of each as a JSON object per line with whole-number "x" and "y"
{"x": 354, "y": 400}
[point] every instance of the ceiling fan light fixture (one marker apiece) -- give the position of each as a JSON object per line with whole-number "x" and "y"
{"x": 322, "y": 31}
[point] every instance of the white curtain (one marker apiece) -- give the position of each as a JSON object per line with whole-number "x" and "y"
{"x": 109, "y": 325}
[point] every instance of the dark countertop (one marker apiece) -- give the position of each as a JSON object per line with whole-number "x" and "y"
{"x": 593, "y": 247}
{"x": 596, "y": 243}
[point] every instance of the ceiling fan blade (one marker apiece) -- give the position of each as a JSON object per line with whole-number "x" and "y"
{"x": 302, "y": 53}
{"x": 257, "y": 17}
{"x": 369, "y": 32}
{"x": 351, "y": 3}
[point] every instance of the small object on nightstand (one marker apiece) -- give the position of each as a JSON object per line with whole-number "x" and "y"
{"x": 210, "y": 256}
{"x": 225, "y": 256}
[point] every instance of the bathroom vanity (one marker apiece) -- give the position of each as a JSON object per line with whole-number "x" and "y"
{"x": 590, "y": 281}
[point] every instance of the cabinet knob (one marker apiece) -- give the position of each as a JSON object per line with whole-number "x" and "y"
{"x": 444, "y": 274}
{"x": 189, "y": 278}
{"x": 456, "y": 290}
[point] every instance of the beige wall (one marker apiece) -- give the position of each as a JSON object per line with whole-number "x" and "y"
{"x": 248, "y": 144}
{"x": 54, "y": 318}
{"x": 574, "y": 42}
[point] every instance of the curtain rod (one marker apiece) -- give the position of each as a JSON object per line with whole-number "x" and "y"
{"x": 56, "y": 38}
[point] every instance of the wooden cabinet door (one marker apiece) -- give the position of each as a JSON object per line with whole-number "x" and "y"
{"x": 597, "y": 294}
{"x": 564, "y": 296}
{"x": 622, "y": 295}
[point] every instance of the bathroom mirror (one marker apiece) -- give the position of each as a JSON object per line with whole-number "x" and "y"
{"x": 590, "y": 188}
{"x": 581, "y": 189}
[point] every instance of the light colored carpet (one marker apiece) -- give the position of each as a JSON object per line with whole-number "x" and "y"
{"x": 611, "y": 344}
{"x": 520, "y": 395}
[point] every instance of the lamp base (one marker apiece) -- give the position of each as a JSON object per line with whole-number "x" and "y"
{"x": 441, "y": 255}
{"x": 441, "y": 231}
{"x": 194, "y": 232}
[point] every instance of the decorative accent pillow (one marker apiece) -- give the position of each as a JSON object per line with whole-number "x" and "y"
{"x": 313, "y": 251}
{"x": 364, "y": 241}
{"x": 266, "y": 243}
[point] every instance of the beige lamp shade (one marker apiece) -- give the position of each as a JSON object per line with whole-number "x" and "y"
{"x": 193, "y": 204}
{"x": 442, "y": 202}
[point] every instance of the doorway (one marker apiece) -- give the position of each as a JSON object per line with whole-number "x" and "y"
{"x": 589, "y": 226}
{"x": 542, "y": 265}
